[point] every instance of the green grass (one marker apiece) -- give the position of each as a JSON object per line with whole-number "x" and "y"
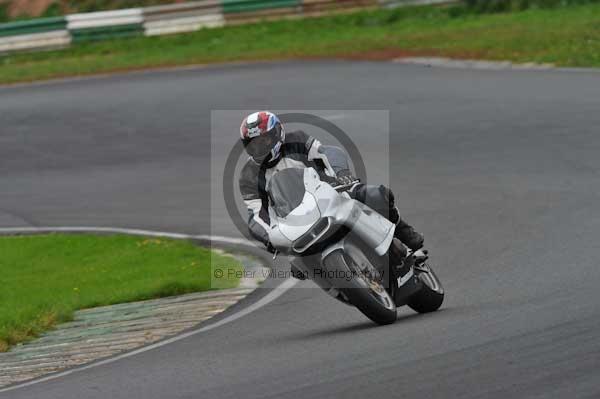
{"x": 566, "y": 36}
{"x": 45, "y": 278}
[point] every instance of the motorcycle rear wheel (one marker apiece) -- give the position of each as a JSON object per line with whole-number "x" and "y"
{"x": 431, "y": 296}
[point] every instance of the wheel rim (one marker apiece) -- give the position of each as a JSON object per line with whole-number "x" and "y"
{"x": 368, "y": 276}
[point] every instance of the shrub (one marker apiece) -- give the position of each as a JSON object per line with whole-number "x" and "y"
{"x": 492, "y": 6}
{"x": 4, "y": 13}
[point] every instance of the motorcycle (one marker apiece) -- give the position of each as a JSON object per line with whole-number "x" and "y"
{"x": 347, "y": 248}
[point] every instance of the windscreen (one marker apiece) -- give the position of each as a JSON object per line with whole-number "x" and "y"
{"x": 286, "y": 190}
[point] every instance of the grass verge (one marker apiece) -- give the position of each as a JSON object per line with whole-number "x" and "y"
{"x": 567, "y": 36}
{"x": 44, "y": 279}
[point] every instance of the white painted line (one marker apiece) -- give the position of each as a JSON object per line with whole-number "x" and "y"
{"x": 270, "y": 297}
{"x": 120, "y": 230}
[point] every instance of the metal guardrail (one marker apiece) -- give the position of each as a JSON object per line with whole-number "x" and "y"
{"x": 183, "y": 17}
{"x": 183, "y": 24}
{"x": 105, "y": 18}
{"x": 318, "y": 7}
{"x": 244, "y": 6}
{"x": 35, "y": 41}
{"x": 181, "y": 10}
{"x": 33, "y": 26}
{"x": 106, "y": 33}
{"x": 51, "y": 33}
{"x": 105, "y": 25}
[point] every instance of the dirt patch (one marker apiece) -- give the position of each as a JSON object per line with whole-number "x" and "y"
{"x": 33, "y": 8}
{"x": 374, "y": 55}
{"x": 394, "y": 53}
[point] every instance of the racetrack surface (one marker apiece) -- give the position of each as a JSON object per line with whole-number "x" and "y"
{"x": 499, "y": 169}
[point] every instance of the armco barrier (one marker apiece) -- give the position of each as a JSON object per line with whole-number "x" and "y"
{"x": 35, "y": 41}
{"x": 262, "y": 15}
{"x": 49, "y": 33}
{"x": 105, "y": 18}
{"x": 399, "y": 3}
{"x": 180, "y": 25}
{"x": 246, "y": 11}
{"x": 317, "y": 7}
{"x": 182, "y": 10}
{"x": 34, "y": 26}
{"x": 106, "y": 33}
{"x": 183, "y": 17}
{"x": 105, "y": 25}
{"x": 241, "y": 6}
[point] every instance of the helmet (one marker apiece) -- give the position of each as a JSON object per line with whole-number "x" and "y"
{"x": 262, "y": 135}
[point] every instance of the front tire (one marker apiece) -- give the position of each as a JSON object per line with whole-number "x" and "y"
{"x": 366, "y": 294}
{"x": 431, "y": 296}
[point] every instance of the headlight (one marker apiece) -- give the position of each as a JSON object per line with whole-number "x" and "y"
{"x": 313, "y": 235}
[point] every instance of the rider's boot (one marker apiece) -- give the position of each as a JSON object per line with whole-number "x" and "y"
{"x": 405, "y": 232}
{"x": 397, "y": 255}
{"x": 401, "y": 267}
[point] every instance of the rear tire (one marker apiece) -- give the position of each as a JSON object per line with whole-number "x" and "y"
{"x": 431, "y": 296}
{"x": 373, "y": 301}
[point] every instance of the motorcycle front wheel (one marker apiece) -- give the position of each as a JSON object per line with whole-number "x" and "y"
{"x": 358, "y": 281}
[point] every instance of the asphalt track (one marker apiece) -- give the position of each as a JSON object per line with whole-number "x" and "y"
{"x": 499, "y": 169}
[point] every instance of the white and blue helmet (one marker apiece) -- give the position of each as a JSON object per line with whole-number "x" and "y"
{"x": 263, "y": 136}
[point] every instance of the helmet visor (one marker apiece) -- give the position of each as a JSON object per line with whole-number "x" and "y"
{"x": 259, "y": 147}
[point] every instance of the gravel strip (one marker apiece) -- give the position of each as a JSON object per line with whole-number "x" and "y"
{"x": 109, "y": 330}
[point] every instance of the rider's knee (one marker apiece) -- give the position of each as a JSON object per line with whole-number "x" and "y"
{"x": 380, "y": 198}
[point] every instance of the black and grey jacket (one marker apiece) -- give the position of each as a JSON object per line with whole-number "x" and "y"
{"x": 299, "y": 151}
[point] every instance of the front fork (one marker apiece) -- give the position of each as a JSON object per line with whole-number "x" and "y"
{"x": 301, "y": 269}
{"x": 404, "y": 281}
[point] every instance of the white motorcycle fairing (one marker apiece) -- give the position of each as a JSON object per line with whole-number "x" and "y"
{"x": 320, "y": 209}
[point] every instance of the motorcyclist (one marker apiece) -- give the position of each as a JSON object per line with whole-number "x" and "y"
{"x": 271, "y": 149}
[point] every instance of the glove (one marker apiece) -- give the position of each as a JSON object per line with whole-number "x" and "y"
{"x": 345, "y": 177}
{"x": 331, "y": 180}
